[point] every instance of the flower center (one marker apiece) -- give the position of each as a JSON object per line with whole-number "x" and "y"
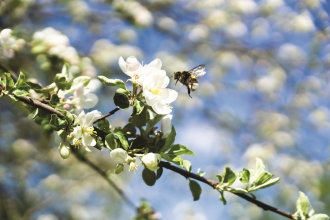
{"x": 155, "y": 91}
{"x": 88, "y": 130}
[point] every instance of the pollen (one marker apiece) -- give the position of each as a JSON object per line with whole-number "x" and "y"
{"x": 155, "y": 91}
{"x": 88, "y": 130}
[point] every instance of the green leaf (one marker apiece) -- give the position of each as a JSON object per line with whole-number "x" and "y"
{"x": 121, "y": 99}
{"x": 104, "y": 125}
{"x": 138, "y": 107}
{"x": 112, "y": 82}
{"x": 179, "y": 149}
{"x": 19, "y": 93}
{"x": 62, "y": 82}
{"x": 237, "y": 190}
{"x": 111, "y": 142}
{"x": 159, "y": 172}
{"x": 9, "y": 82}
{"x": 169, "y": 140}
{"x": 319, "y": 217}
{"x": 222, "y": 198}
{"x": 81, "y": 80}
{"x": 264, "y": 185}
{"x": 244, "y": 176}
{"x": 187, "y": 165}
{"x": 41, "y": 117}
{"x": 303, "y": 204}
{"x": 229, "y": 176}
{"x": 20, "y": 80}
{"x": 138, "y": 143}
{"x": 195, "y": 189}
{"x": 149, "y": 177}
{"x": 57, "y": 122}
{"x": 153, "y": 122}
{"x": 141, "y": 119}
{"x": 129, "y": 130}
{"x": 54, "y": 100}
{"x": 262, "y": 178}
{"x": 122, "y": 139}
{"x": 200, "y": 172}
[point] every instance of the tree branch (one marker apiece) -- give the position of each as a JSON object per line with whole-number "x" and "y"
{"x": 214, "y": 184}
{"x": 108, "y": 114}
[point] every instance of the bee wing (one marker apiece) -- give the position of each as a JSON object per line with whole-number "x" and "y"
{"x": 198, "y": 71}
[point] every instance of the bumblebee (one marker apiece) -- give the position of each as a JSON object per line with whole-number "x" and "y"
{"x": 189, "y": 78}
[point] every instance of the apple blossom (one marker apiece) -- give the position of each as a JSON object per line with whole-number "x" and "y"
{"x": 82, "y": 134}
{"x": 82, "y": 99}
{"x": 151, "y": 161}
{"x": 137, "y": 71}
{"x": 157, "y": 95}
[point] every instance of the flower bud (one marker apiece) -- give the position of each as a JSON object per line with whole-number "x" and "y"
{"x": 119, "y": 168}
{"x": 151, "y": 161}
{"x": 64, "y": 150}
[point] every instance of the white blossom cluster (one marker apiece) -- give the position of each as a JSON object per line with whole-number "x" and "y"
{"x": 54, "y": 43}
{"x": 8, "y": 44}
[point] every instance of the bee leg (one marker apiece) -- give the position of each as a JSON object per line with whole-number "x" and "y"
{"x": 189, "y": 91}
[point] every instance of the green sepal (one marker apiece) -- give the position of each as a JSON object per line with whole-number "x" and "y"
{"x": 121, "y": 98}
{"x": 113, "y": 82}
{"x": 149, "y": 177}
{"x": 195, "y": 189}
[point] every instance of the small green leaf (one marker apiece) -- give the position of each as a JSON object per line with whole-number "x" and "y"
{"x": 264, "y": 185}
{"x": 19, "y": 93}
{"x": 262, "y": 178}
{"x": 179, "y": 149}
{"x": 54, "y": 100}
{"x": 112, "y": 82}
{"x": 319, "y": 217}
{"x": 104, "y": 125}
{"x": 81, "y": 80}
{"x": 222, "y": 198}
{"x": 153, "y": 122}
{"x": 57, "y": 122}
{"x": 66, "y": 70}
{"x": 229, "y": 176}
{"x": 9, "y": 82}
{"x": 138, "y": 143}
{"x": 122, "y": 139}
{"x": 200, "y": 172}
{"x": 244, "y": 176}
{"x": 187, "y": 165}
{"x": 169, "y": 140}
{"x": 303, "y": 204}
{"x": 111, "y": 142}
{"x": 62, "y": 82}
{"x": 195, "y": 189}
{"x": 237, "y": 190}
{"x": 20, "y": 80}
{"x": 149, "y": 177}
{"x": 138, "y": 107}
{"x": 121, "y": 99}
{"x": 141, "y": 119}
{"x": 129, "y": 130}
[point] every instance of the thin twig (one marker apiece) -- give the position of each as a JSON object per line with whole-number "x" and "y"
{"x": 213, "y": 184}
{"x": 107, "y": 115}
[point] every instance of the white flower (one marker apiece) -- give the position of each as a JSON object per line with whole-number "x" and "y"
{"x": 119, "y": 155}
{"x": 138, "y": 73}
{"x": 85, "y": 129}
{"x": 166, "y": 125}
{"x": 82, "y": 99}
{"x": 151, "y": 161}
{"x": 156, "y": 94}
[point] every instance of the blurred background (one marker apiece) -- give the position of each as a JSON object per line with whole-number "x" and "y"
{"x": 266, "y": 94}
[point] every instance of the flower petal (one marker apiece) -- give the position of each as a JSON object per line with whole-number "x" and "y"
{"x": 132, "y": 64}
{"x": 91, "y": 117}
{"x": 157, "y": 63}
{"x": 151, "y": 98}
{"x": 88, "y": 100}
{"x": 88, "y": 140}
{"x": 168, "y": 95}
{"x": 162, "y": 108}
{"x": 122, "y": 64}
